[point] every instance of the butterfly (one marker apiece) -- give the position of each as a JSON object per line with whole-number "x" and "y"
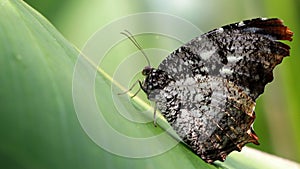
{"x": 206, "y": 89}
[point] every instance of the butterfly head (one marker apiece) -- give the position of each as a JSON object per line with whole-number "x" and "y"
{"x": 147, "y": 70}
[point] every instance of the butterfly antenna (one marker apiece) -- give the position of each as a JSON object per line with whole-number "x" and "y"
{"x": 134, "y": 41}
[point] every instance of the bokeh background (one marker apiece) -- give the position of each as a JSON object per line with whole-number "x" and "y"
{"x": 278, "y": 109}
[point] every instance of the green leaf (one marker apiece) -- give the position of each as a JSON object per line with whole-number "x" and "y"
{"x": 39, "y": 125}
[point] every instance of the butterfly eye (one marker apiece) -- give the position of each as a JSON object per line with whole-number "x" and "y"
{"x": 146, "y": 71}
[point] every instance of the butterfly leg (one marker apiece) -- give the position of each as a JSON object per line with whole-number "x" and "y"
{"x": 154, "y": 115}
{"x": 140, "y": 83}
{"x": 135, "y": 83}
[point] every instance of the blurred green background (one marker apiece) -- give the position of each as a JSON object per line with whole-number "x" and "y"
{"x": 278, "y": 109}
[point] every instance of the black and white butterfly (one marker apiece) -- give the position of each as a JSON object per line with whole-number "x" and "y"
{"x": 207, "y": 88}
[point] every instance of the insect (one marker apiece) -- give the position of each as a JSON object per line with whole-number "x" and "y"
{"x": 206, "y": 89}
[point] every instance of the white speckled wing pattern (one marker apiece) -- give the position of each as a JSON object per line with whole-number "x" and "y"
{"x": 207, "y": 88}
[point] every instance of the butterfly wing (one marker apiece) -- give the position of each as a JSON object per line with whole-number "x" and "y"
{"x": 244, "y": 53}
{"x": 210, "y": 117}
{"x": 208, "y": 86}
